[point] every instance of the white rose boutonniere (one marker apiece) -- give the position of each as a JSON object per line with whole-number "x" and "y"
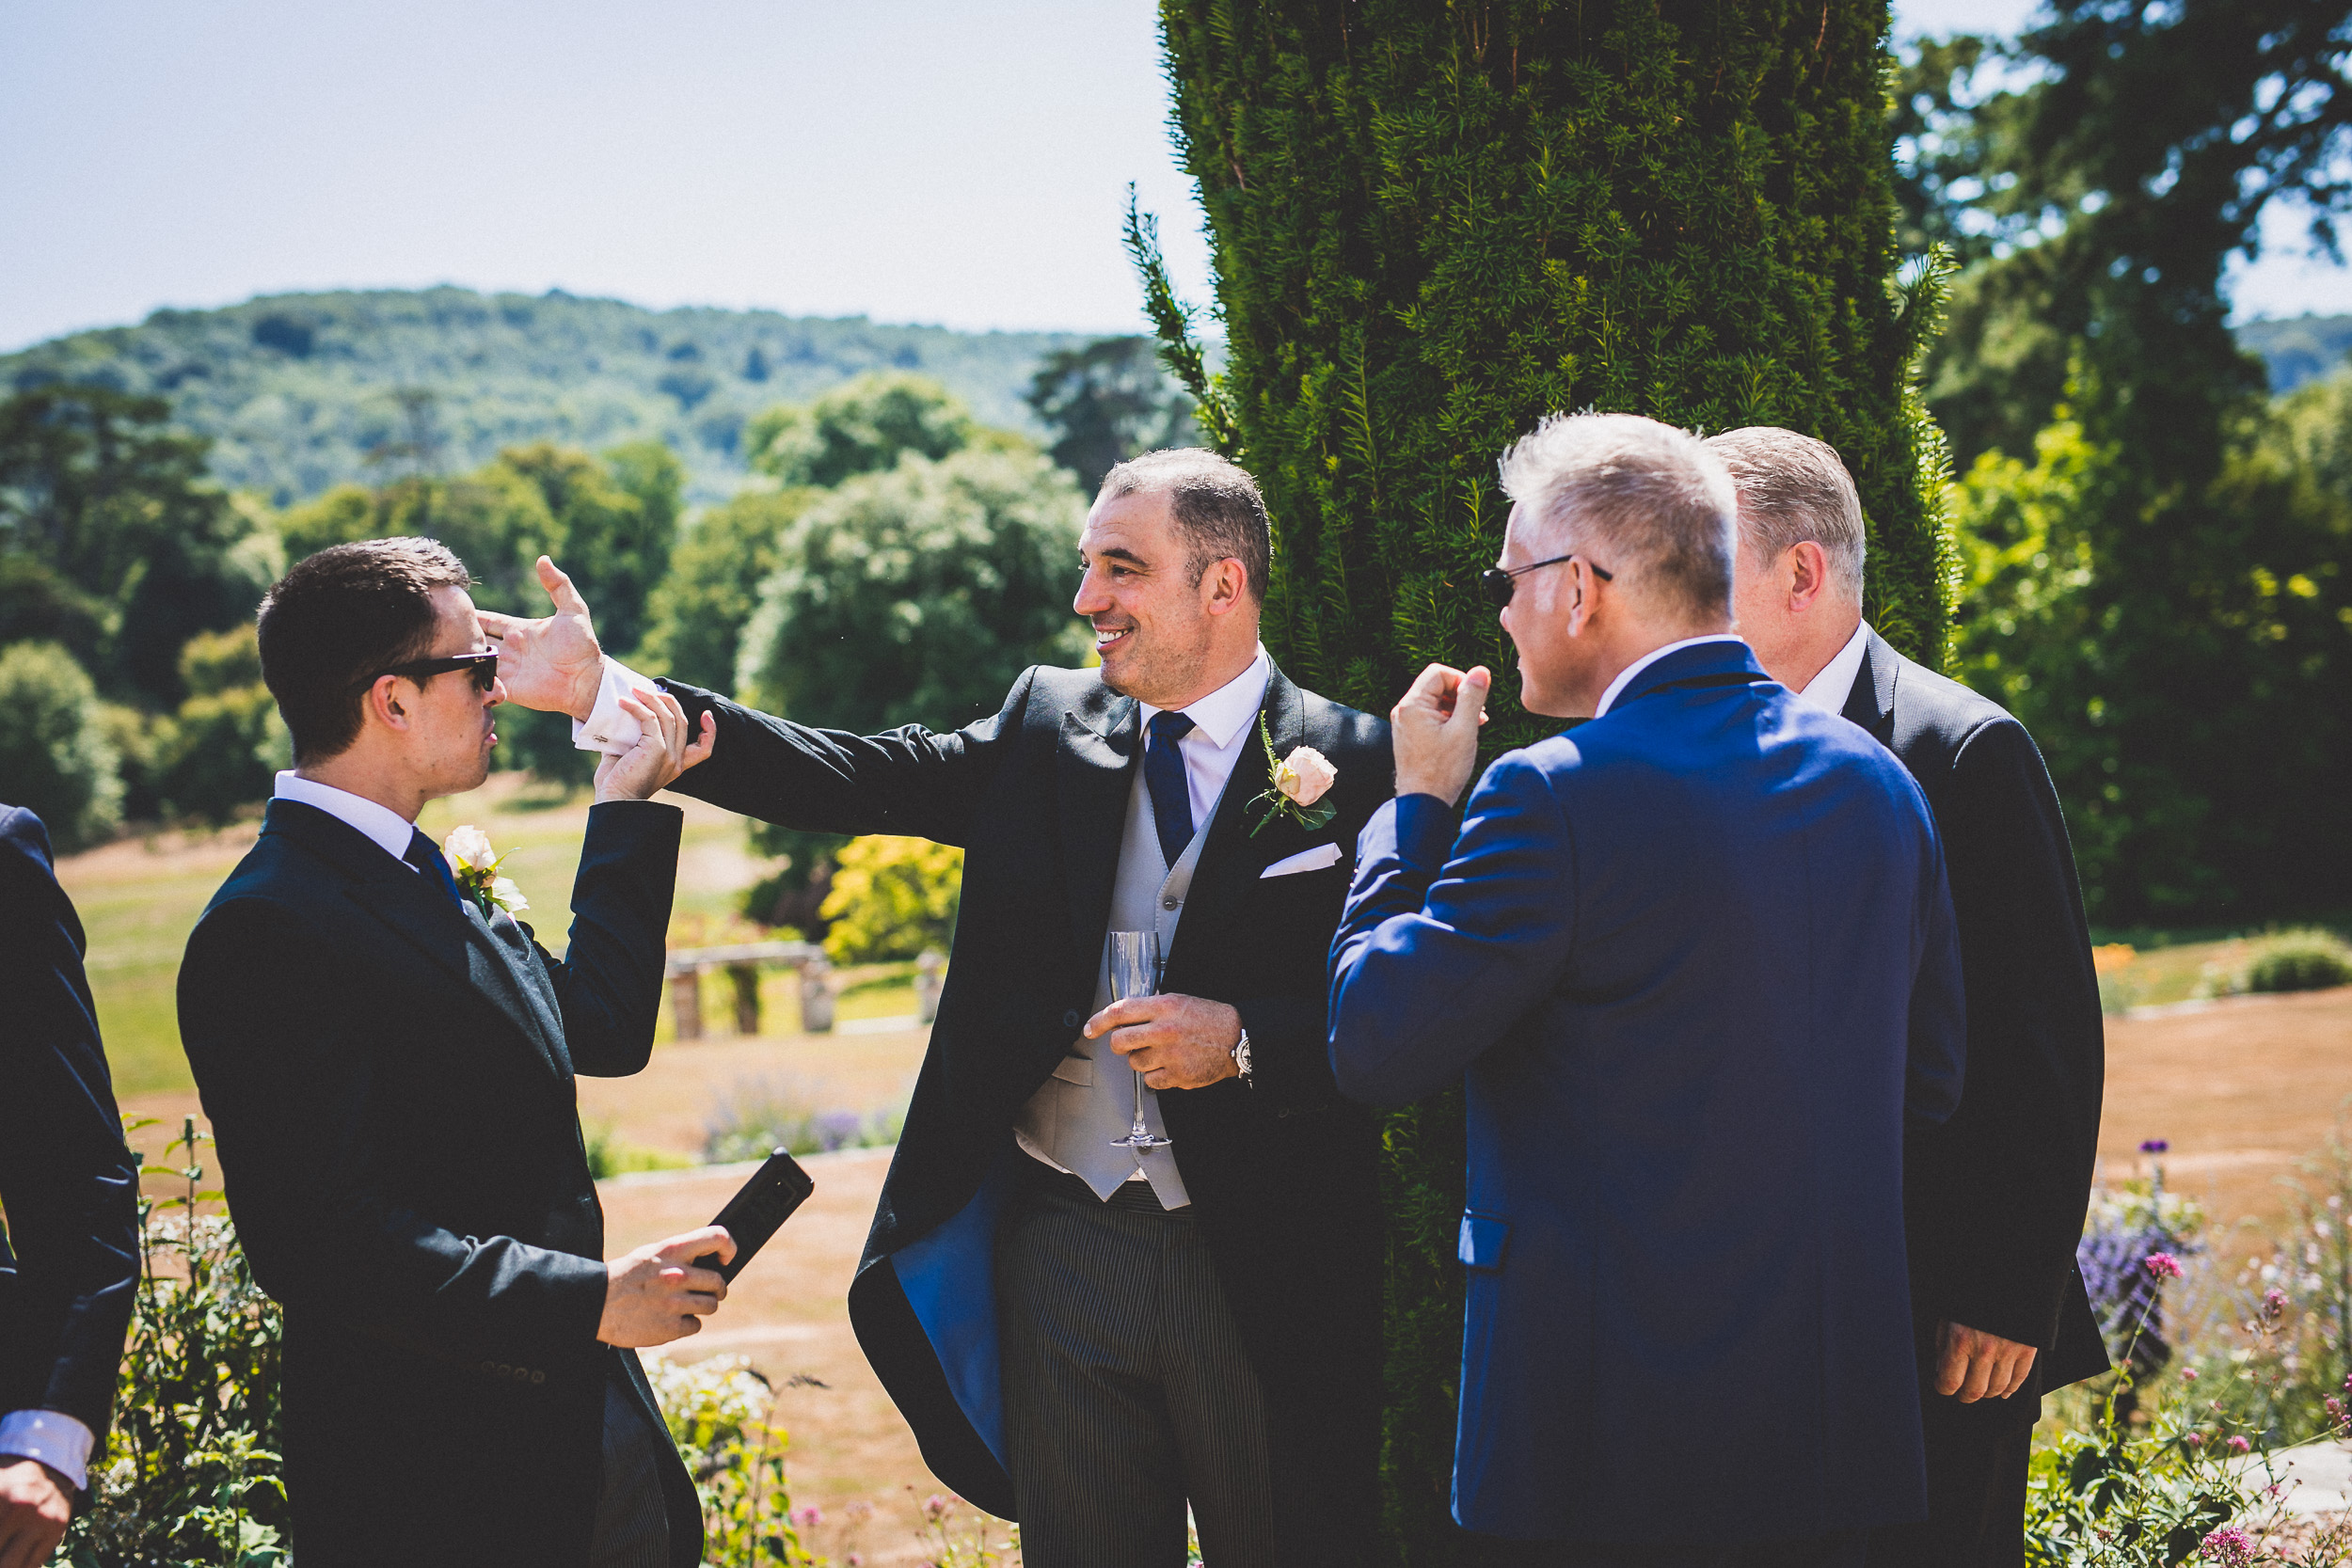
{"x": 1301, "y": 781}
{"x": 476, "y": 865}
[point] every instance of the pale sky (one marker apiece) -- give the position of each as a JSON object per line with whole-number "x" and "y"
{"x": 922, "y": 161}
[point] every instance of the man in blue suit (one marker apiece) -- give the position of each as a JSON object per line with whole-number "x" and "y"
{"x": 1696, "y": 958}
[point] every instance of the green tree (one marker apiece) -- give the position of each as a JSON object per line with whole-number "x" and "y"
{"x": 1107, "y": 402}
{"x": 892, "y": 899}
{"x": 1432, "y": 226}
{"x": 698, "y": 613}
{"x": 53, "y": 757}
{"x": 2107, "y": 195}
{"x": 113, "y": 539}
{"x": 224, "y": 747}
{"x": 860, "y": 428}
{"x": 917, "y": 595}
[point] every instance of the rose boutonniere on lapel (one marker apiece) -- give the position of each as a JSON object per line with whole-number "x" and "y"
{"x": 1300, "y": 782}
{"x": 476, "y": 867}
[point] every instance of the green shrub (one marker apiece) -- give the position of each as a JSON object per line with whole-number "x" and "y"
{"x": 195, "y": 1474}
{"x": 717, "y": 1409}
{"x": 55, "y": 760}
{"x": 2301, "y": 961}
{"x": 892, "y": 899}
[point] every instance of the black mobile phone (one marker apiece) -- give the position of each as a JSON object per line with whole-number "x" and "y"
{"x": 757, "y": 1209}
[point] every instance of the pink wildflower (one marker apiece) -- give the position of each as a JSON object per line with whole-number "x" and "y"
{"x": 2188, "y": 1374}
{"x": 2195, "y": 1439}
{"x": 2240, "y": 1445}
{"x": 2163, "y": 1265}
{"x": 2274, "y": 1302}
{"x": 809, "y": 1517}
{"x": 2228, "y": 1546}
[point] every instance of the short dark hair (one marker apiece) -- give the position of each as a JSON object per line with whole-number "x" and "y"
{"x": 341, "y": 618}
{"x": 1216, "y": 504}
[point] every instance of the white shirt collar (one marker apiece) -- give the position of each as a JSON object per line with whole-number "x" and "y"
{"x": 1625, "y": 676}
{"x": 383, "y": 826}
{"x": 1829, "y": 690}
{"x": 1221, "y": 714}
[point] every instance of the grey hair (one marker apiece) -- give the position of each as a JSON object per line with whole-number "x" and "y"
{"x": 1793, "y": 489}
{"x": 1650, "y": 502}
{"x": 1216, "y": 504}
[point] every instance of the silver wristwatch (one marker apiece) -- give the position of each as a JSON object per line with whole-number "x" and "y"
{"x": 1241, "y": 1058}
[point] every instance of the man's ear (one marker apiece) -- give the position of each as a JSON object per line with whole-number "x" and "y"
{"x": 1806, "y": 565}
{"x": 1580, "y": 585}
{"x": 382, "y": 704}
{"x": 1227, "y": 585}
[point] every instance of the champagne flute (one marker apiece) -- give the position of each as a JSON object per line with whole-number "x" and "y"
{"x": 1135, "y": 958}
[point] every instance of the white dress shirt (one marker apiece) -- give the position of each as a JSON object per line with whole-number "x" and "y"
{"x": 381, "y": 824}
{"x": 1829, "y": 690}
{"x": 608, "y": 729}
{"x": 50, "y": 1436}
{"x": 1625, "y": 676}
{"x": 1222, "y": 726}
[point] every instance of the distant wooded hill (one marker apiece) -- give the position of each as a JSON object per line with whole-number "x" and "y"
{"x": 300, "y": 392}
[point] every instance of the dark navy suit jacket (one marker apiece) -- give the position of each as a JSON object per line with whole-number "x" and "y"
{"x": 1697, "y": 959}
{"x": 69, "y": 1257}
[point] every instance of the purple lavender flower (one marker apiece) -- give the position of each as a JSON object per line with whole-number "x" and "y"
{"x": 837, "y": 1130}
{"x": 2155, "y": 1145}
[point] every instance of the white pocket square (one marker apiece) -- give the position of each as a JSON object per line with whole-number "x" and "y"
{"x": 1306, "y": 860}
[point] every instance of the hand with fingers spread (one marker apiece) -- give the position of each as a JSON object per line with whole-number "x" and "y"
{"x": 655, "y": 1294}
{"x": 1176, "y": 1042}
{"x": 662, "y": 750}
{"x": 1979, "y": 1366}
{"x": 35, "y": 1504}
{"x": 554, "y": 664}
{"x": 1435, "y": 730}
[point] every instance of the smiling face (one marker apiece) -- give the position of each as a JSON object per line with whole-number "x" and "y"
{"x": 451, "y": 730}
{"x": 1163, "y": 638}
{"x": 1545, "y": 613}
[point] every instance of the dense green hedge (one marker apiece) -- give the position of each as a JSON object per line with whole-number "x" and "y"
{"x": 1433, "y": 225}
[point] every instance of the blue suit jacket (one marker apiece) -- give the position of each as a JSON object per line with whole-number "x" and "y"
{"x": 1697, "y": 959}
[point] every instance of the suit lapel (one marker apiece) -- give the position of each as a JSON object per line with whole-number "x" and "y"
{"x": 1092, "y": 760}
{"x": 1871, "y": 702}
{"x": 420, "y": 912}
{"x": 1230, "y": 860}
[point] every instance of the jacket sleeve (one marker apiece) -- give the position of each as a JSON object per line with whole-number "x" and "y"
{"x": 1936, "y": 1059}
{"x": 68, "y": 1186}
{"x": 327, "y": 1231}
{"x": 608, "y": 984}
{"x": 2008, "y": 1176}
{"x": 905, "y": 781}
{"x": 1438, "y": 954}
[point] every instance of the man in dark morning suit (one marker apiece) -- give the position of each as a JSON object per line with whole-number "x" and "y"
{"x": 1994, "y": 1197}
{"x": 1198, "y": 1324}
{"x": 68, "y": 1257}
{"x": 1688, "y": 1335}
{"x": 388, "y": 1062}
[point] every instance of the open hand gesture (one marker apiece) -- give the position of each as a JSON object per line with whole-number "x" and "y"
{"x": 553, "y": 664}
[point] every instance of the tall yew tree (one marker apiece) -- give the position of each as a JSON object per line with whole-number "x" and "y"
{"x": 1433, "y": 224}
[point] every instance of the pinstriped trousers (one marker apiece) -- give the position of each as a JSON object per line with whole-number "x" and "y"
{"x": 1127, "y": 1390}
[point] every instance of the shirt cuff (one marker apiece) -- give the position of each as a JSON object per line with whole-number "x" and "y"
{"x": 50, "y": 1436}
{"x": 608, "y": 729}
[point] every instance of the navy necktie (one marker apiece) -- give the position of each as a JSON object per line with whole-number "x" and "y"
{"x": 1164, "y": 775}
{"x": 425, "y": 858}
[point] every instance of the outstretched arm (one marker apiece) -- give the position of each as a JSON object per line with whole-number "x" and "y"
{"x": 907, "y": 781}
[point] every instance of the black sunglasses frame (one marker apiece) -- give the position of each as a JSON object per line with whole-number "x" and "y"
{"x": 482, "y": 665}
{"x": 1498, "y": 583}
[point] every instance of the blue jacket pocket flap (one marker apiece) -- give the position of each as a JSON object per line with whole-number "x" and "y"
{"x": 1484, "y": 1237}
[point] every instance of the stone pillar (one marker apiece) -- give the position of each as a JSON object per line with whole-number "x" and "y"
{"x": 686, "y": 1003}
{"x": 746, "y": 978}
{"x": 929, "y": 976}
{"x": 816, "y": 996}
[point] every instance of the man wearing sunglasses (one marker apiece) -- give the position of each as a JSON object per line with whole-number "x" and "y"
{"x": 1695, "y": 961}
{"x": 389, "y": 1070}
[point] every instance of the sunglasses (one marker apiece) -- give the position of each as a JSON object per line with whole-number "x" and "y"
{"x": 482, "y": 666}
{"x": 1498, "y": 582}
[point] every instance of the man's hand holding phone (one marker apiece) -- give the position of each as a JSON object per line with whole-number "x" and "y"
{"x": 657, "y": 1294}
